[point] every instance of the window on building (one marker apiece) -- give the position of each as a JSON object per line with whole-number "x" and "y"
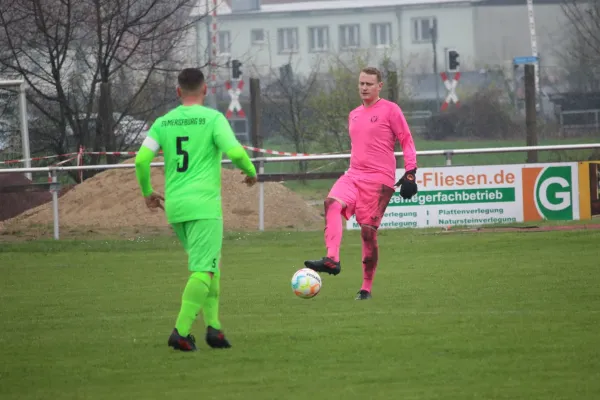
{"x": 318, "y": 38}
{"x": 257, "y": 36}
{"x": 287, "y": 40}
{"x": 381, "y": 34}
{"x": 349, "y": 36}
{"x": 224, "y": 42}
{"x": 422, "y": 27}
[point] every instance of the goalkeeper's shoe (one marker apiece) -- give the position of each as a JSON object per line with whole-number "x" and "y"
{"x": 325, "y": 264}
{"x": 178, "y": 342}
{"x": 363, "y": 295}
{"x": 215, "y": 338}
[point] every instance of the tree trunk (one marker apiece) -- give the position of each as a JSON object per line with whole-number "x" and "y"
{"x": 106, "y": 122}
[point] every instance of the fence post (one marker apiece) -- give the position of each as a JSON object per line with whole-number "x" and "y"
{"x": 261, "y": 197}
{"x": 54, "y": 191}
{"x": 448, "y": 158}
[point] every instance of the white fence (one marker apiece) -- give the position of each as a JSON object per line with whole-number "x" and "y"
{"x": 54, "y": 170}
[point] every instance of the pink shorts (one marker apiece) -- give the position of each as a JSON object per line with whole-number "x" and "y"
{"x": 367, "y": 200}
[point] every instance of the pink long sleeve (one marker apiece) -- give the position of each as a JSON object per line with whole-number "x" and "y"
{"x": 402, "y": 131}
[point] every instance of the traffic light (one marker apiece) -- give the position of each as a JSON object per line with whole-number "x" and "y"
{"x": 452, "y": 60}
{"x": 236, "y": 72}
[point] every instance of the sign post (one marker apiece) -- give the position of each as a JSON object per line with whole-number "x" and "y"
{"x": 528, "y": 60}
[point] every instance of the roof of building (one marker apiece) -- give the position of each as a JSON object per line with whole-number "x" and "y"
{"x": 276, "y": 6}
{"x": 287, "y": 6}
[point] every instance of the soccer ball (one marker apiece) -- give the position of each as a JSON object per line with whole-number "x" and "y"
{"x": 306, "y": 283}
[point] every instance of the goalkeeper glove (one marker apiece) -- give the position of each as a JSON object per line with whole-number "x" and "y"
{"x": 408, "y": 184}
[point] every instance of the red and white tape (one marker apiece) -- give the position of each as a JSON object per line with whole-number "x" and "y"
{"x": 79, "y": 155}
{"x": 279, "y": 153}
{"x": 111, "y": 153}
{"x": 22, "y": 160}
{"x": 256, "y": 149}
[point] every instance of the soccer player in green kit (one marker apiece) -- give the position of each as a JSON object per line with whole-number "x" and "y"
{"x": 193, "y": 139}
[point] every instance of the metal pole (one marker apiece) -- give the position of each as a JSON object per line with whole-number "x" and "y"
{"x": 435, "y": 69}
{"x": 420, "y": 153}
{"x": 261, "y": 198}
{"x": 24, "y": 129}
{"x": 448, "y": 158}
{"x": 212, "y": 42}
{"x": 55, "y": 205}
{"x": 534, "y": 52}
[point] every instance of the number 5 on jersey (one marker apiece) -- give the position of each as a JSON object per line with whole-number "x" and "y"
{"x": 181, "y": 152}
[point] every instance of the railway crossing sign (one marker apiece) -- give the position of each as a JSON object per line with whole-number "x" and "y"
{"x": 451, "y": 87}
{"x": 234, "y": 105}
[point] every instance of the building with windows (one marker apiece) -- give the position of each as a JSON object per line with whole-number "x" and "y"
{"x": 308, "y": 34}
{"x": 272, "y": 37}
{"x": 264, "y": 35}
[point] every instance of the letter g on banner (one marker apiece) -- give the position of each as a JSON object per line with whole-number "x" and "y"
{"x": 554, "y": 193}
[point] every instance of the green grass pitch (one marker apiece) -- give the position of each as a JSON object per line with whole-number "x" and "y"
{"x": 454, "y": 316}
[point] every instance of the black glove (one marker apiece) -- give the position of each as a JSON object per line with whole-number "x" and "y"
{"x": 408, "y": 184}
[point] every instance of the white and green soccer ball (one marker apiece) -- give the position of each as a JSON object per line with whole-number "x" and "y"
{"x": 306, "y": 283}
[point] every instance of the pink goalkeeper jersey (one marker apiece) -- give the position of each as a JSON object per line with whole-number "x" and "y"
{"x": 373, "y": 134}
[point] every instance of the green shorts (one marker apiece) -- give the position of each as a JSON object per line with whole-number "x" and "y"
{"x": 202, "y": 240}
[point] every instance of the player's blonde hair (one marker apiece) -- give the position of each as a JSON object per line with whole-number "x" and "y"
{"x": 372, "y": 71}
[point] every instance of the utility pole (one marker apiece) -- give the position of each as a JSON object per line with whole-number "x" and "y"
{"x": 534, "y": 53}
{"x": 255, "y": 107}
{"x": 212, "y": 42}
{"x": 433, "y": 32}
{"x": 530, "y": 111}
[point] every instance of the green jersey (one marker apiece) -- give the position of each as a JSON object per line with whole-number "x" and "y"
{"x": 193, "y": 139}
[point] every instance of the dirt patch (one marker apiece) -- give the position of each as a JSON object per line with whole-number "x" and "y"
{"x": 112, "y": 200}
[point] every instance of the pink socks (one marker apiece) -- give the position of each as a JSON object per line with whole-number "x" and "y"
{"x": 333, "y": 228}
{"x": 370, "y": 254}
{"x": 333, "y": 240}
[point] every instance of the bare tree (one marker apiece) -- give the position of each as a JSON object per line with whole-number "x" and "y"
{"x": 287, "y": 106}
{"x": 582, "y": 52}
{"x": 333, "y": 100}
{"x": 72, "y": 52}
{"x": 337, "y": 95}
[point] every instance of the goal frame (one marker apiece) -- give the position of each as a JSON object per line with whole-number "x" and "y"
{"x": 21, "y": 86}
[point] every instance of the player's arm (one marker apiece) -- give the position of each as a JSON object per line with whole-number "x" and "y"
{"x": 227, "y": 143}
{"x": 402, "y": 132}
{"x": 240, "y": 159}
{"x": 144, "y": 158}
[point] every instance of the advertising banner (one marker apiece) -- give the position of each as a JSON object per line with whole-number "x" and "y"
{"x": 483, "y": 195}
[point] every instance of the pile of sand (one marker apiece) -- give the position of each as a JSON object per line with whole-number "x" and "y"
{"x": 112, "y": 199}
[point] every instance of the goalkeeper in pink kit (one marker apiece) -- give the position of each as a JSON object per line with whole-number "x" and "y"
{"x": 368, "y": 185}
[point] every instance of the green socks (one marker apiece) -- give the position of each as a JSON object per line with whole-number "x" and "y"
{"x": 211, "y": 304}
{"x": 200, "y": 293}
{"x": 194, "y": 297}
